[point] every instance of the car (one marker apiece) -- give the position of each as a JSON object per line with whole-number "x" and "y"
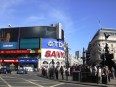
{"x": 5, "y": 70}
{"x": 22, "y": 71}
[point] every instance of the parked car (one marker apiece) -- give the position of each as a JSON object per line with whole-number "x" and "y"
{"x": 22, "y": 71}
{"x": 5, "y": 70}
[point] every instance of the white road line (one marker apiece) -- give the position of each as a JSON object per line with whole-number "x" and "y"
{"x": 57, "y": 85}
{"x": 5, "y": 82}
{"x": 33, "y": 82}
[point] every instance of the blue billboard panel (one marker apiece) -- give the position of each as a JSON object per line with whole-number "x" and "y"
{"x": 9, "y": 45}
{"x": 52, "y": 43}
{"x": 28, "y": 60}
{"x": 33, "y": 43}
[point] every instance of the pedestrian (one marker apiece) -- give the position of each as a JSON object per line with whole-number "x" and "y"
{"x": 107, "y": 72}
{"x": 67, "y": 73}
{"x": 50, "y": 72}
{"x": 99, "y": 75}
{"x": 62, "y": 72}
{"x": 56, "y": 72}
{"x": 113, "y": 73}
{"x": 105, "y": 75}
{"x": 94, "y": 70}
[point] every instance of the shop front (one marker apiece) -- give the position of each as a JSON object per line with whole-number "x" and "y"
{"x": 28, "y": 64}
{"x": 10, "y": 63}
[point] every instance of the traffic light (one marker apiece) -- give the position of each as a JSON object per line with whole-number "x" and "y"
{"x": 88, "y": 55}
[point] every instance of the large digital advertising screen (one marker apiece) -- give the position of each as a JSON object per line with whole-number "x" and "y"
{"x": 40, "y": 31}
{"x": 33, "y": 43}
{"x": 9, "y": 35}
{"x": 15, "y": 37}
{"x": 9, "y": 38}
{"x": 50, "y": 43}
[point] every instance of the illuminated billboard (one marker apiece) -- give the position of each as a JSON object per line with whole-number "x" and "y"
{"x": 26, "y": 37}
{"x": 33, "y": 43}
{"x": 9, "y": 45}
{"x": 9, "y": 38}
{"x": 28, "y": 60}
{"x": 9, "y": 35}
{"x": 52, "y": 54}
{"x": 50, "y": 43}
{"x": 39, "y": 31}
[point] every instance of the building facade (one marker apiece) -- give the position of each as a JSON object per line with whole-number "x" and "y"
{"x": 96, "y": 48}
{"x": 32, "y": 47}
{"x": 73, "y": 61}
{"x": 78, "y": 54}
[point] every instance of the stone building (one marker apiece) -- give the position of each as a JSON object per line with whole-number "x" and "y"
{"x": 96, "y": 47}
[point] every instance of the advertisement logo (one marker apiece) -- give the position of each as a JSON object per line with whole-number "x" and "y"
{"x": 56, "y": 44}
{"x": 52, "y": 43}
{"x": 53, "y": 53}
{"x": 30, "y": 61}
{"x": 9, "y": 45}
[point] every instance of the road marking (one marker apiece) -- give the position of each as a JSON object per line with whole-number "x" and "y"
{"x": 56, "y": 85}
{"x": 8, "y": 77}
{"x": 5, "y": 82}
{"x": 33, "y": 82}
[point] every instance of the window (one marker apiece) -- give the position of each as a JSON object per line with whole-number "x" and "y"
{"x": 45, "y": 62}
{"x": 57, "y": 62}
{"x": 111, "y": 45}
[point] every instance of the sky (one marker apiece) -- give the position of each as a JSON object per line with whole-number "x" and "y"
{"x": 80, "y": 19}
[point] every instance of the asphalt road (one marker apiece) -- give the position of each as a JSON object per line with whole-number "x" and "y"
{"x": 32, "y": 80}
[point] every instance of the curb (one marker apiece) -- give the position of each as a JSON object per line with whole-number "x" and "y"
{"x": 82, "y": 83}
{"x": 85, "y": 83}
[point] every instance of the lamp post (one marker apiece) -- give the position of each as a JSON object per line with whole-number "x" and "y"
{"x": 84, "y": 58}
{"x": 67, "y": 59}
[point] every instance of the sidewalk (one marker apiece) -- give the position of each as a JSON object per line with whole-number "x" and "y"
{"x": 112, "y": 83}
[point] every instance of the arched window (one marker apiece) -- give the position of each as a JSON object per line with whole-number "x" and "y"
{"x": 58, "y": 62}
{"x": 45, "y": 62}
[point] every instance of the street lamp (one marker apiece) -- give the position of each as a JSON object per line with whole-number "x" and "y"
{"x": 67, "y": 60}
{"x": 67, "y": 52}
{"x": 84, "y": 58}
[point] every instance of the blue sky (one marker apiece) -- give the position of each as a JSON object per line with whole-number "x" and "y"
{"x": 79, "y": 18}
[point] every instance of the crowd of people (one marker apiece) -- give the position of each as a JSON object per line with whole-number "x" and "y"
{"x": 102, "y": 74}
{"x": 53, "y": 72}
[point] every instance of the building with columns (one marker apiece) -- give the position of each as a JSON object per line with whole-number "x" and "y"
{"x": 96, "y": 48}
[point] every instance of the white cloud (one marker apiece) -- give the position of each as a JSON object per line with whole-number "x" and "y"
{"x": 35, "y": 18}
{"x": 6, "y": 6}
